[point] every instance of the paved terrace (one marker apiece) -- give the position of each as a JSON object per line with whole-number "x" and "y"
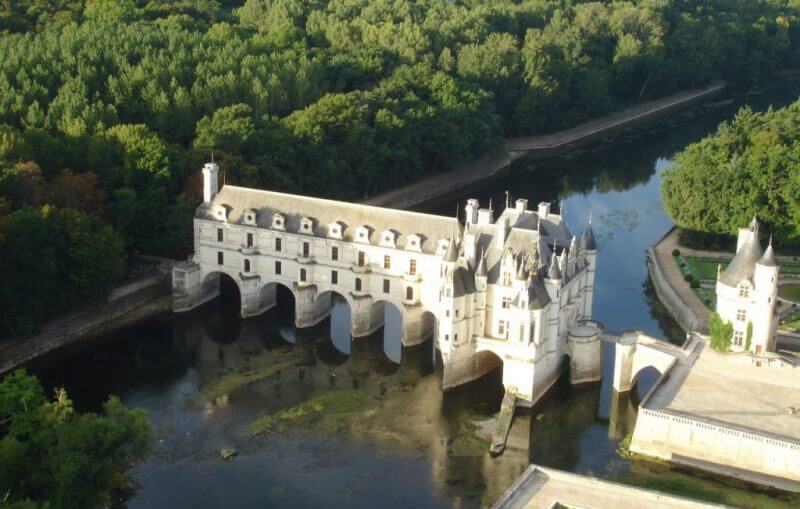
{"x": 546, "y": 488}
{"x": 731, "y": 390}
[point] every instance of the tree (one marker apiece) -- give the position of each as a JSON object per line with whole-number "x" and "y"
{"x": 229, "y": 129}
{"x": 49, "y": 453}
{"x": 720, "y": 333}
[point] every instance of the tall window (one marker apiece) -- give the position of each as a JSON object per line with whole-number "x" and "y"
{"x": 278, "y": 243}
{"x": 738, "y": 337}
{"x": 741, "y": 315}
{"x": 219, "y": 235}
{"x": 409, "y": 293}
{"x": 502, "y": 327}
{"x": 249, "y": 240}
{"x": 361, "y": 258}
{"x": 247, "y": 265}
{"x": 386, "y": 284}
{"x": 744, "y": 291}
{"x": 387, "y": 262}
{"x": 278, "y": 268}
{"x": 358, "y": 284}
{"x": 506, "y": 303}
{"x": 303, "y": 275}
{"x": 334, "y": 253}
{"x": 219, "y": 258}
{"x": 506, "y": 278}
{"x": 334, "y": 277}
{"x": 412, "y": 266}
{"x": 305, "y": 249}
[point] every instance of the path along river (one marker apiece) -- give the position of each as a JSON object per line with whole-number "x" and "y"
{"x": 364, "y": 424}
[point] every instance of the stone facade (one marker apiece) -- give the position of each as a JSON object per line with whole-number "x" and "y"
{"x": 516, "y": 289}
{"x": 747, "y": 291}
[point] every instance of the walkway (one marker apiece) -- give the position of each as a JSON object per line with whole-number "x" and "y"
{"x": 672, "y": 273}
{"x": 537, "y": 145}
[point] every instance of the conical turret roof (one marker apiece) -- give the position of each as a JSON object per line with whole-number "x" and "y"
{"x": 768, "y": 259}
{"x": 743, "y": 265}
{"x": 555, "y": 271}
{"x": 481, "y": 271}
{"x": 522, "y": 274}
{"x": 588, "y": 238}
{"x": 451, "y": 255}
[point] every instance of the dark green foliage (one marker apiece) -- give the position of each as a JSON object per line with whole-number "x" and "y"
{"x": 688, "y": 278}
{"x": 676, "y": 252}
{"x": 749, "y": 166}
{"x": 749, "y": 337}
{"x": 720, "y": 333}
{"x": 49, "y": 453}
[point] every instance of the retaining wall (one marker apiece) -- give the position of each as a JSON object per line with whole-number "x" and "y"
{"x": 676, "y": 307}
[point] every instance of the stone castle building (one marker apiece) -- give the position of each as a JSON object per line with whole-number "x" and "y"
{"x": 515, "y": 289}
{"x": 747, "y": 291}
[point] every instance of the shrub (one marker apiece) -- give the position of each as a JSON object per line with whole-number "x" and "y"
{"x": 676, "y": 252}
{"x": 688, "y": 278}
{"x": 720, "y": 333}
{"x": 694, "y": 283}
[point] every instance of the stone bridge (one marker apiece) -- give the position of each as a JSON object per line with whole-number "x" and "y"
{"x": 636, "y": 351}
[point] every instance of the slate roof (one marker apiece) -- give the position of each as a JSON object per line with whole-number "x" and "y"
{"x": 743, "y": 265}
{"x": 237, "y": 200}
{"x": 768, "y": 260}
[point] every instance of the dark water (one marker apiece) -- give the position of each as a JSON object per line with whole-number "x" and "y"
{"x": 409, "y": 444}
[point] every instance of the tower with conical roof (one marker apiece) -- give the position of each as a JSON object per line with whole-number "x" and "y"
{"x": 747, "y": 293}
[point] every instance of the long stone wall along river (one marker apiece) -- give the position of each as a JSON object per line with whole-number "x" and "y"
{"x": 319, "y": 421}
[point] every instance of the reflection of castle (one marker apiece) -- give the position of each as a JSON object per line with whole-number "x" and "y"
{"x": 747, "y": 291}
{"x": 511, "y": 288}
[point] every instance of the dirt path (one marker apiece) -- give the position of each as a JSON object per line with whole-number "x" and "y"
{"x": 672, "y": 273}
{"x": 537, "y": 146}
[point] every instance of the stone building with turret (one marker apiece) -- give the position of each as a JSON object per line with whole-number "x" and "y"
{"x": 515, "y": 289}
{"x": 747, "y": 292}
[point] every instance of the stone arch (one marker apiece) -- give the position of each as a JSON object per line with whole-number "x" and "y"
{"x": 392, "y": 317}
{"x": 274, "y": 293}
{"x": 635, "y": 351}
{"x": 339, "y": 307}
{"x": 648, "y": 375}
{"x": 220, "y": 283}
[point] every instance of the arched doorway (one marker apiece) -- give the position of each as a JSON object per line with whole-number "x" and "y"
{"x": 642, "y": 382}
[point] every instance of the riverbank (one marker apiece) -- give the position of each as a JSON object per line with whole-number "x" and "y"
{"x": 127, "y": 304}
{"x": 540, "y": 146}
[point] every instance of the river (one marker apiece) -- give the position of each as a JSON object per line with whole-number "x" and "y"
{"x": 364, "y": 423}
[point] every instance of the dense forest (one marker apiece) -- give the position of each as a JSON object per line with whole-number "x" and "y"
{"x": 109, "y": 107}
{"x": 751, "y": 165}
{"x": 53, "y": 456}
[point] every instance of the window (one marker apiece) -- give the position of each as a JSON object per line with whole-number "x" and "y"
{"x": 456, "y": 313}
{"x": 502, "y": 327}
{"x": 506, "y": 278}
{"x": 334, "y": 277}
{"x": 361, "y": 258}
{"x": 409, "y": 293}
{"x": 455, "y": 338}
{"x": 506, "y": 303}
{"x": 738, "y": 337}
{"x": 305, "y": 249}
{"x": 277, "y": 268}
{"x": 358, "y": 284}
{"x": 386, "y": 284}
{"x": 448, "y": 292}
{"x": 249, "y": 240}
{"x": 219, "y": 235}
{"x": 744, "y": 291}
{"x": 447, "y": 313}
{"x": 447, "y": 337}
{"x": 334, "y": 253}
{"x": 278, "y": 243}
{"x": 247, "y": 265}
{"x": 219, "y": 258}
{"x": 741, "y": 315}
{"x": 387, "y": 262}
{"x": 412, "y": 266}
{"x": 303, "y": 275}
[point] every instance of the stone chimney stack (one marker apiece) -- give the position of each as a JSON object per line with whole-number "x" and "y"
{"x": 210, "y": 181}
{"x": 544, "y": 210}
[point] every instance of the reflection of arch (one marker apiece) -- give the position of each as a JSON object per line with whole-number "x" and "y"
{"x": 393, "y": 318}
{"x": 340, "y": 310}
{"x": 226, "y": 286}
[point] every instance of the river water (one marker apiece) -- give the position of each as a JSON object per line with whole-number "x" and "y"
{"x": 206, "y": 378}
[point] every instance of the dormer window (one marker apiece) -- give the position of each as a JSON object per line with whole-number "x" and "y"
{"x": 307, "y": 225}
{"x": 335, "y": 230}
{"x": 744, "y": 291}
{"x": 278, "y": 221}
{"x": 250, "y": 217}
{"x": 362, "y": 234}
{"x": 388, "y": 238}
{"x": 220, "y": 212}
{"x": 414, "y": 243}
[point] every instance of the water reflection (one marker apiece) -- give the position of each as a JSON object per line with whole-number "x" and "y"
{"x": 206, "y": 377}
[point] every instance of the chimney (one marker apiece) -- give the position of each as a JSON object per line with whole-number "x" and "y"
{"x": 472, "y": 211}
{"x": 210, "y": 181}
{"x": 521, "y": 205}
{"x": 544, "y": 210}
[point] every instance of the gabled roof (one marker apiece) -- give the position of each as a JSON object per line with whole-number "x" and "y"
{"x": 294, "y": 207}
